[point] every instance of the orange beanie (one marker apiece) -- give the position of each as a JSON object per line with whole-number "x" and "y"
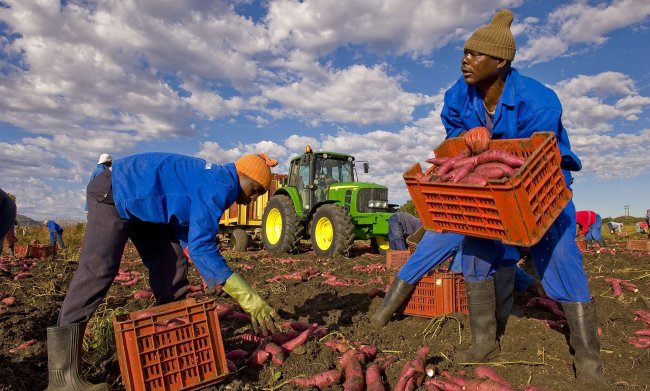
{"x": 256, "y": 167}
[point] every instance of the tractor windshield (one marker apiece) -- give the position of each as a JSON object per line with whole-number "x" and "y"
{"x": 332, "y": 170}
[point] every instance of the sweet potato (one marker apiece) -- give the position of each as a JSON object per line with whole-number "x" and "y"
{"x": 641, "y": 342}
{"x": 483, "y": 371}
{"x": 239, "y": 315}
{"x": 366, "y": 353}
{"x": 407, "y": 373}
{"x": 294, "y": 343}
{"x": 475, "y": 179}
{"x": 496, "y": 155}
{"x": 459, "y": 380}
{"x": 642, "y": 315}
{"x": 645, "y": 332}
{"x": 386, "y": 361}
{"x": 302, "y": 326}
{"x": 374, "y": 292}
{"x": 9, "y": 300}
{"x": 337, "y": 345}
{"x": 547, "y": 304}
{"x": 145, "y": 294}
{"x": 320, "y": 380}
{"x": 444, "y": 385}
{"x": 236, "y": 355}
{"x": 485, "y": 384}
{"x": 448, "y": 165}
{"x": 232, "y": 367}
{"x": 276, "y": 352}
{"x": 23, "y": 346}
{"x": 354, "y": 380}
{"x": 506, "y": 169}
{"x": 132, "y": 281}
{"x": 223, "y": 310}
{"x": 284, "y": 336}
{"x": 258, "y": 358}
{"x": 373, "y": 378}
{"x": 23, "y": 275}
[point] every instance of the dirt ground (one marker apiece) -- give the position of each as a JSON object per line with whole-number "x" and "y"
{"x": 531, "y": 352}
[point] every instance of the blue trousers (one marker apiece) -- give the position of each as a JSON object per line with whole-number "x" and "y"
{"x": 557, "y": 259}
{"x": 435, "y": 248}
{"x": 595, "y": 230}
{"x": 57, "y": 237}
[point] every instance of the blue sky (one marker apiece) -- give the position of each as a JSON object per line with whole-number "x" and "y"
{"x": 217, "y": 79}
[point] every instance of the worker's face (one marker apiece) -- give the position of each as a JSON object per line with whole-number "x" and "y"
{"x": 250, "y": 190}
{"x": 479, "y": 68}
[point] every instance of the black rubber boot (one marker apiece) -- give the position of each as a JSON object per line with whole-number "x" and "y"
{"x": 504, "y": 284}
{"x": 583, "y": 337}
{"x": 398, "y": 292}
{"x": 63, "y": 356}
{"x": 482, "y": 318}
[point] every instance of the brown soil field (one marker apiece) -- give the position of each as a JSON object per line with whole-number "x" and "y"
{"x": 531, "y": 352}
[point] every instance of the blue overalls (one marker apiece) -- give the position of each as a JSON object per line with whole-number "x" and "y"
{"x": 556, "y": 256}
{"x": 56, "y": 233}
{"x": 595, "y": 230}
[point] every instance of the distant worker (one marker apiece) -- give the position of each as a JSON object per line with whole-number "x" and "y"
{"x": 647, "y": 220}
{"x": 162, "y": 202}
{"x": 7, "y": 215}
{"x": 105, "y": 162}
{"x": 10, "y": 237}
{"x": 615, "y": 227}
{"x": 400, "y": 226}
{"x": 590, "y": 225}
{"x": 641, "y": 227}
{"x": 56, "y": 233}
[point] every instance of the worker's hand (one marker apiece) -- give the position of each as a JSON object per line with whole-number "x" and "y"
{"x": 262, "y": 315}
{"x": 477, "y": 139}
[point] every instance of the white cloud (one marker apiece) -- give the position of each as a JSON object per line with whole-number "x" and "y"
{"x": 578, "y": 23}
{"x": 358, "y": 94}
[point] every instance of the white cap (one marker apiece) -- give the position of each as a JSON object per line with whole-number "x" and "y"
{"x": 104, "y": 158}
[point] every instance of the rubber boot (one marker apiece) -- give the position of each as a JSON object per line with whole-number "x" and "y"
{"x": 601, "y": 242}
{"x": 504, "y": 284}
{"x": 397, "y": 293}
{"x": 63, "y": 357}
{"x": 482, "y": 318}
{"x": 583, "y": 337}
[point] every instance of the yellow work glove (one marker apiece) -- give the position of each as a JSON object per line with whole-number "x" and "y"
{"x": 262, "y": 315}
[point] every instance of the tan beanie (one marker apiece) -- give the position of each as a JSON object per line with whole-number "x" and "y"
{"x": 256, "y": 167}
{"x": 494, "y": 39}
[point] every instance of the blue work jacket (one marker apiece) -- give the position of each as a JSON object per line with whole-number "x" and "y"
{"x": 526, "y": 106}
{"x": 186, "y": 192}
{"x": 53, "y": 227}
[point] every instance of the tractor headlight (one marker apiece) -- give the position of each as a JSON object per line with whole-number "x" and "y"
{"x": 377, "y": 204}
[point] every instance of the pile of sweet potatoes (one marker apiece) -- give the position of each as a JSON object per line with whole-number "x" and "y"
{"x": 473, "y": 170}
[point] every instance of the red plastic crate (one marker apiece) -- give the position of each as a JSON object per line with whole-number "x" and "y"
{"x": 517, "y": 210}
{"x": 183, "y": 357}
{"x": 638, "y": 245}
{"x": 396, "y": 258}
{"x": 33, "y": 250}
{"x": 437, "y": 294}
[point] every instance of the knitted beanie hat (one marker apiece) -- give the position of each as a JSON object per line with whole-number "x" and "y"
{"x": 256, "y": 167}
{"x": 494, "y": 39}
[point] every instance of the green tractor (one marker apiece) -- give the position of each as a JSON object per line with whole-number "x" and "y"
{"x": 321, "y": 200}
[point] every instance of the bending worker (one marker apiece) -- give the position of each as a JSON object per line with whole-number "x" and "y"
{"x": 491, "y": 100}
{"x": 7, "y": 214}
{"x": 56, "y": 233}
{"x": 160, "y": 201}
{"x": 590, "y": 225}
{"x": 400, "y": 226}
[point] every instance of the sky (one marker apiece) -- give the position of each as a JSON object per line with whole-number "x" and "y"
{"x": 219, "y": 79}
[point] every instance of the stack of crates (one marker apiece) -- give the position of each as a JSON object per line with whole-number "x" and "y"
{"x": 517, "y": 210}
{"x": 437, "y": 294}
{"x": 155, "y": 354}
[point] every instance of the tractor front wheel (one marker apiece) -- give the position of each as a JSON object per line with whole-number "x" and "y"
{"x": 280, "y": 225}
{"x": 332, "y": 231}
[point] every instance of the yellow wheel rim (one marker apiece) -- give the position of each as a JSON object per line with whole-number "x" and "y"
{"x": 273, "y": 226}
{"x": 324, "y": 233}
{"x": 382, "y": 243}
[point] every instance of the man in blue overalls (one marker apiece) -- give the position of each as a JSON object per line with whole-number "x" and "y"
{"x": 160, "y": 201}
{"x": 56, "y": 233}
{"x": 492, "y": 100}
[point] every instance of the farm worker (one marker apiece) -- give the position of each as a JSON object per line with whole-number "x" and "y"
{"x": 56, "y": 233}
{"x": 432, "y": 250}
{"x": 105, "y": 161}
{"x": 491, "y": 100}
{"x": 590, "y": 225}
{"x": 10, "y": 237}
{"x": 7, "y": 215}
{"x": 400, "y": 226}
{"x": 161, "y": 201}
{"x": 647, "y": 220}
{"x": 615, "y": 227}
{"x": 641, "y": 227}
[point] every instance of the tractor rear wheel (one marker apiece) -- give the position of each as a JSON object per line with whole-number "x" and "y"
{"x": 332, "y": 231}
{"x": 239, "y": 240}
{"x": 280, "y": 226}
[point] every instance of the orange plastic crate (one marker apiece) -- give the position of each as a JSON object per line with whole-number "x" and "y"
{"x": 638, "y": 245}
{"x": 582, "y": 245}
{"x": 517, "y": 210}
{"x": 183, "y": 357}
{"x": 437, "y": 294}
{"x": 20, "y": 250}
{"x": 396, "y": 258}
{"x": 40, "y": 251}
